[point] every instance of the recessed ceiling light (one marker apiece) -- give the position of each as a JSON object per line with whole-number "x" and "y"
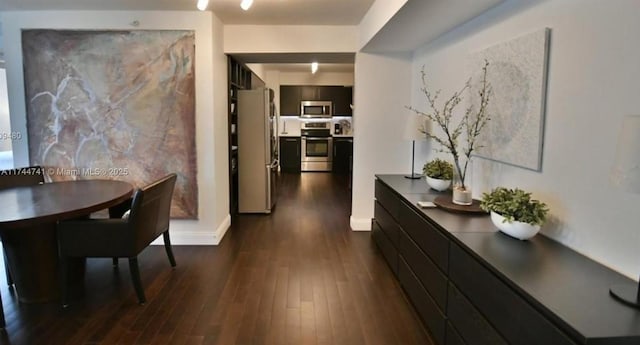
{"x": 202, "y": 4}
{"x": 246, "y": 4}
{"x": 314, "y": 67}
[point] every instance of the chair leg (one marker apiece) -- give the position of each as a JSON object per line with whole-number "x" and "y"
{"x": 115, "y": 261}
{"x": 167, "y": 247}
{"x": 135, "y": 277}
{"x": 63, "y": 281}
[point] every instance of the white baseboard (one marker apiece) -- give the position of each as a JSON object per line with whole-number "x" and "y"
{"x": 360, "y": 224}
{"x": 198, "y": 238}
{"x": 222, "y": 229}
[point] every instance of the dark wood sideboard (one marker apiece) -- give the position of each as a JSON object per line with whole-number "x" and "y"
{"x": 473, "y": 285}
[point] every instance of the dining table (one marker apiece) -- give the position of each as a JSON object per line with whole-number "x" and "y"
{"x": 28, "y": 218}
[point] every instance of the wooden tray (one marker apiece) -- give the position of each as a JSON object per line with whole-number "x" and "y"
{"x": 444, "y": 202}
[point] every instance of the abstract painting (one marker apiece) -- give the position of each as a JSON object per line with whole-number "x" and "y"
{"x": 518, "y": 75}
{"x": 115, "y": 105}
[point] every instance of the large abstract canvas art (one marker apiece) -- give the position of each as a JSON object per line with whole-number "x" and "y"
{"x": 518, "y": 75}
{"x": 114, "y": 105}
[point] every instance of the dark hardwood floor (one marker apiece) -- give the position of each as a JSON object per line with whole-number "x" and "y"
{"x": 298, "y": 276}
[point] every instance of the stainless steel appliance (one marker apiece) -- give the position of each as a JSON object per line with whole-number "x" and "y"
{"x": 317, "y": 146}
{"x": 316, "y": 109}
{"x": 257, "y": 151}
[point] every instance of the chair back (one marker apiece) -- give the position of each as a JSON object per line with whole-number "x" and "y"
{"x": 150, "y": 211}
{"x": 21, "y": 177}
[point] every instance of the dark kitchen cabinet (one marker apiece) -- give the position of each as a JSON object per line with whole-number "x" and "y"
{"x": 342, "y": 155}
{"x": 342, "y": 97}
{"x": 311, "y": 93}
{"x": 290, "y": 154}
{"x": 290, "y": 97}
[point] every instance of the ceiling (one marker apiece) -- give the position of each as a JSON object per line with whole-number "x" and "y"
{"x": 305, "y": 67}
{"x": 263, "y": 12}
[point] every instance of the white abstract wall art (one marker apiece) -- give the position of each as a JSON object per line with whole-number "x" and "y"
{"x": 518, "y": 75}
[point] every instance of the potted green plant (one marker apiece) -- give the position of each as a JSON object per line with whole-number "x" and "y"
{"x": 514, "y": 212}
{"x": 471, "y": 124}
{"x": 438, "y": 174}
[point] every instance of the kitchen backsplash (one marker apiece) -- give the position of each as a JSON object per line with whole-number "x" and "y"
{"x": 290, "y": 126}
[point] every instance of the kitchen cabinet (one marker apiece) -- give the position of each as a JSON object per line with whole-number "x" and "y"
{"x": 290, "y": 97}
{"x": 472, "y": 285}
{"x": 290, "y": 154}
{"x": 311, "y": 93}
{"x": 342, "y": 155}
{"x": 342, "y": 97}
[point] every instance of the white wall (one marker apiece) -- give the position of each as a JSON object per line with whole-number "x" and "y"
{"x": 593, "y": 82}
{"x": 289, "y": 39}
{"x": 210, "y": 66}
{"x": 5, "y": 124}
{"x": 220, "y": 149}
{"x": 258, "y": 69}
{"x": 380, "y": 12}
{"x": 382, "y": 90}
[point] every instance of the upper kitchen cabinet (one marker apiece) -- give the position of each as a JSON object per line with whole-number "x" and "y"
{"x": 290, "y": 97}
{"x": 311, "y": 93}
{"x": 342, "y": 97}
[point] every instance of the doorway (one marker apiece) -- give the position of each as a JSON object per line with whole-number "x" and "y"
{"x": 6, "y": 135}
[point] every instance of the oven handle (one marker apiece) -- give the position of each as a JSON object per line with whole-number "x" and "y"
{"x": 317, "y": 138}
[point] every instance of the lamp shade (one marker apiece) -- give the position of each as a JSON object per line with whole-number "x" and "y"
{"x": 626, "y": 168}
{"x": 413, "y": 124}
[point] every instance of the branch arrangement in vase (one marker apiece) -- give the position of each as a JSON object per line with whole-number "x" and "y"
{"x": 471, "y": 124}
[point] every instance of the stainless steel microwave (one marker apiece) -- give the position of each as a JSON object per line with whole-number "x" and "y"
{"x": 316, "y": 109}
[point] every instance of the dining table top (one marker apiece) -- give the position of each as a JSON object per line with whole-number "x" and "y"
{"x": 51, "y": 202}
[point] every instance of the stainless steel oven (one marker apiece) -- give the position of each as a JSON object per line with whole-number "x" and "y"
{"x": 317, "y": 147}
{"x": 316, "y": 109}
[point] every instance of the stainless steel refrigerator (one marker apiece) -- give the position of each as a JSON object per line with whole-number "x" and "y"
{"x": 257, "y": 151}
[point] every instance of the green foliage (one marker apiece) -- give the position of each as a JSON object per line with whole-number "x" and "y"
{"x": 514, "y": 204}
{"x": 439, "y": 169}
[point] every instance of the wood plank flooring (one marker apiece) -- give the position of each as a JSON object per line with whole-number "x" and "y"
{"x": 298, "y": 276}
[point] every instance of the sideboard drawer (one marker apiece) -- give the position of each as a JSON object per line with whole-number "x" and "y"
{"x": 473, "y": 327}
{"x": 386, "y": 247}
{"x": 514, "y": 318}
{"x": 387, "y": 198}
{"x": 424, "y": 304}
{"x": 387, "y": 223}
{"x": 453, "y": 338}
{"x": 434, "y": 281}
{"x": 428, "y": 238}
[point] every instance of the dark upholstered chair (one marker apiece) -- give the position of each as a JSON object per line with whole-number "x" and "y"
{"x": 121, "y": 237}
{"x": 19, "y": 177}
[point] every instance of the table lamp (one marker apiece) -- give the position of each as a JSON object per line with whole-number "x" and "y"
{"x": 626, "y": 176}
{"x": 412, "y": 132}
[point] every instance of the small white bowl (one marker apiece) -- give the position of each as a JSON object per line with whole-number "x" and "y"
{"x": 438, "y": 184}
{"x": 516, "y": 229}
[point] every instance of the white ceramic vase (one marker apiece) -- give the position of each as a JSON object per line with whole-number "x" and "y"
{"x": 515, "y": 229}
{"x": 438, "y": 184}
